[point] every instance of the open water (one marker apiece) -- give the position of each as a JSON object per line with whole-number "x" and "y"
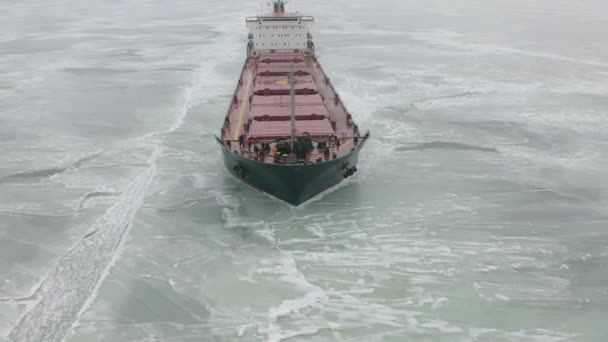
{"x": 478, "y": 212}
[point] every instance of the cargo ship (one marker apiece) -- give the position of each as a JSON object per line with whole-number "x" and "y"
{"x": 287, "y": 132}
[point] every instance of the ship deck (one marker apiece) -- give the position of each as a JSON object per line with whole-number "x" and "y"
{"x": 260, "y": 108}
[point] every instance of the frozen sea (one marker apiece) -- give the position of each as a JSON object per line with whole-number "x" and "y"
{"x": 478, "y": 212}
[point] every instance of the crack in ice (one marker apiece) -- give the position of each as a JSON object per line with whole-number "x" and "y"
{"x": 70, "y": 288}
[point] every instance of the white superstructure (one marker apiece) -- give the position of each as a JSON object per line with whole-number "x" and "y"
{"x": 280, "y": 31}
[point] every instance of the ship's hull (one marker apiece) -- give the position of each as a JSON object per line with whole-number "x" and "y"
{"x": 292, "y": 183}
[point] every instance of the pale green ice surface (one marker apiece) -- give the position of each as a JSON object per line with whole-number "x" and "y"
{"x": 478, "y": 212}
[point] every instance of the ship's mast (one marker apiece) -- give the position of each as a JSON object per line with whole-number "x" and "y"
{"x": 292, "y": 105}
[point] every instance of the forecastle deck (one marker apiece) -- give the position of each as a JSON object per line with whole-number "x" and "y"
{"x": 260, "y": 108}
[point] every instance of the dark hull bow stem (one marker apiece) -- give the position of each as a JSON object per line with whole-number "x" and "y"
{"x": 287, "y": 132}
{"x": 292, "y": 183}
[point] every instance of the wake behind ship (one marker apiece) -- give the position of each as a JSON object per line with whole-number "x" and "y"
{"x": 287, "y": 132}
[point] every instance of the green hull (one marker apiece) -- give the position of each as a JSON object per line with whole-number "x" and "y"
{"x": 292, "y": 183}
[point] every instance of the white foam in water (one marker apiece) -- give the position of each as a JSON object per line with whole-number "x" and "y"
{"x": 72, "y": 286}
{"x": 442, "y": 326}
{"x": 289, "y": 272}
{"x": 502, "y": 297}
{"x": 539, "y": 335}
